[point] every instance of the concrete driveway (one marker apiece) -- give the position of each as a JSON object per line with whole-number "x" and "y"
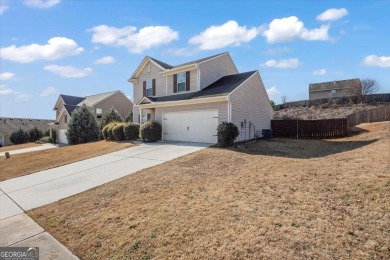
{"x": 31, "y": 191}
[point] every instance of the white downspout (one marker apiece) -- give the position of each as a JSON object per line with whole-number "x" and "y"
{"x": 166, "y": 85}
{"x": 198, "y": 76}
{"x": 229, "y": 109}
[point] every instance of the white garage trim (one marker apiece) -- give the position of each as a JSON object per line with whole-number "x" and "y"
{"x": 62, "y": 136}
{"x": 190, "y": 126}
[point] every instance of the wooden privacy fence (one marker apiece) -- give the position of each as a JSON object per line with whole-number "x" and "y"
{"x": 371, "y": 115}
{"x": 310, "y": 129}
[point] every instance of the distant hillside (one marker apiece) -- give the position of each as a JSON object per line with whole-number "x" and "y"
{"x": 324, "y": 111}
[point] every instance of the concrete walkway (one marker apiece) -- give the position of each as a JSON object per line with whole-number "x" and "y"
{"x": 32, "y": 149}
{"x": 31, "y": 191}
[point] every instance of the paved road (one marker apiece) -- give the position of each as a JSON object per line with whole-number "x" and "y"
{"x": 31, "y": 191}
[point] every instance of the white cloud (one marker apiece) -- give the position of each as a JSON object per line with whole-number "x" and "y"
{"x": 219, "y": 36}
{"x": 277, "y": 51}
{"x": 56, "y": 48}
{"x": 47, "y": 91}
{"x": 105, "y": 60}
{"x": 136, "y": 42}
{"x": 187, "y": 51}
{"x": 3, "y": 6}
{"x": 376, "y": 61}
{"x": 68, "y": 71}
{"x": 290, "y": 28}
{"x": 5, "y": 90}
{"x": 6, "y": 76}
{"x": 332, "y": 14}
{"x": 41, "y": 3}
{"x": 319, "y": 72}
{"x": 18, "y": 96}
{"x": 273, "y": 92}
{"x": 281, "y": 64}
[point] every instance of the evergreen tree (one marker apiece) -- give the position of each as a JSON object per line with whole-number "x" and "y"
{"x": 129, "y": 117}
{"x": 110, "y": 116}
{"x": 82, "y": 127}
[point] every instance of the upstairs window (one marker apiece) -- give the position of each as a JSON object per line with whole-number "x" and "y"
{"x": 149, "y": 88}
{"x": 99, "y": 113}
{"x": 181, "y": 82}
{"x": 65, "y": 119}
{"x": 333, "y": 92}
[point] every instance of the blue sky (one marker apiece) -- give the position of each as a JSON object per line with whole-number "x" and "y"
{"x": 85, "y": 47}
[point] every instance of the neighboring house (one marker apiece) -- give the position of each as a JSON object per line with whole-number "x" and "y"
{"x": 9, "y": 125}
{"x": 191, "y": 99}
{"x": 339, "y": 88}
{"x": 99, "y": 104}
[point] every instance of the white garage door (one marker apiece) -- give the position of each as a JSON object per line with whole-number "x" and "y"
{"x": 191, "y": 126}
{"x": 62, "y": 136}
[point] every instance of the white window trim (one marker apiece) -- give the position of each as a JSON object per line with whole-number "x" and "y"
{"x": 151, "y": 87}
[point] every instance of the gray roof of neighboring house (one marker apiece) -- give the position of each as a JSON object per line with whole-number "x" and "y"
{"x": 221, "y": 87}
{"x": 337, "y": 84}
{"x": 93, "y": 99}
{"x": 73, "y": 102}
{"x": 9, "y": 124}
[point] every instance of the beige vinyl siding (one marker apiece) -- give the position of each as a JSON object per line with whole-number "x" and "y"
{"x": 216, "y": 68}
{"x": 118, "y": 101}
{"x": 193, "y": 83}
{"x": 250, "y": 102}
{"x": 221, "y": 106}
{"x": 328, "y": 94}
{"x": 138, "y": 87}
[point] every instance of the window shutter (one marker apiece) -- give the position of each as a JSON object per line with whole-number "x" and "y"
{"x": 175, "y": 83}
{"x": 144, "y": 88}
{"x": 154, "y": 87}
{"x": 188, "y": 81}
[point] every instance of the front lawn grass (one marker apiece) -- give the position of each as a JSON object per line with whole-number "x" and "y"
{"x": 280, "y": 199}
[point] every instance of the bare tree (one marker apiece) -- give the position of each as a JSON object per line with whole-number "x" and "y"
{"x": 369, "y": 86}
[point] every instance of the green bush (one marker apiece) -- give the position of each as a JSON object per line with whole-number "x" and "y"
{"x": 131, "y": 131}
{"x": 35, "y": 134}
{"x": 45, "y": 139}
{"x": 111, "y": 136}
{"x": 110, "y": 116}
{"x": 19, "y": 137}
{"x": 227, "y": 132}
{"x": 82, "y": 127}
{"x": 53, "y": 136}
{"x": 129, "y": 117}
{"x": 150, "y": 131}
{"x": 105, "y": 132}
{"x": 118, "y": 132}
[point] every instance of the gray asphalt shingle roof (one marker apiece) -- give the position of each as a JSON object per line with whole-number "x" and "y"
{"x": 93, "y": 99}
{"x": 8, "y": 124}
{"x": 221, "y": 87}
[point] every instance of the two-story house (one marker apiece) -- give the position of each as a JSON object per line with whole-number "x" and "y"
{"x": 336, "y": 88}
{"x": 99, "y": 104}
{"x": 191, "y": 99}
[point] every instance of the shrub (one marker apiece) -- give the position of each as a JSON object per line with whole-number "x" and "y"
{"x": 129, "y": 117}
{"x": 19, "y": 137}
{"x": 82, "y": 127}
{"x": 110, "y": 116}
{"x": 105, "y": 132}
{"x": 131, "y": 131}
{"x": 45, "y": 139}
{"x": 227, "y": 132}
{"x": 53, "y": 136}
{"x": 118, "y": 132}
{"x": 35, "y": 134}
{"x": 111, "y": 136}
{"x": 150, "y": 131}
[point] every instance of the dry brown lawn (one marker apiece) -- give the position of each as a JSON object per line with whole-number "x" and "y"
{"x": 17, "y": 147}
{"x": 27, "y": 163}
{"x": 284, "y": 198}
